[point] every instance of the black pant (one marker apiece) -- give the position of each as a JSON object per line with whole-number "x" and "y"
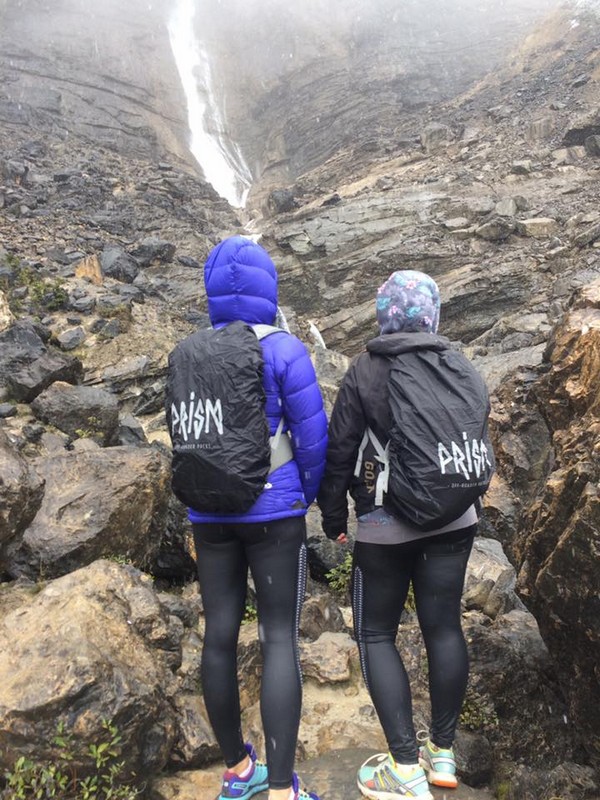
{"x": 381, "y": 578}
{"x": 275, "y": 552}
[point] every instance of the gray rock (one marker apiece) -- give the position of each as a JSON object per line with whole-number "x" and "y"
{"x": 80, "y": 411}
{"x": 118, "y": 264}
{"x": 153, "y": 250}
{"x": 27, "y": 382}
{"x": 592, "y": 146}
{"x": 82, "y": 649}
{"x": 71, "y": 338}
{"x": 103, "y": 502}
{"x": 507, "y": 207}
{"x": 21, "y": 492}
{"x": 434, "y": 136}
{"x": 496, "y": 230}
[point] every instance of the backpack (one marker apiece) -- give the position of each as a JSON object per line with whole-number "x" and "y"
{"x": 439, "y": 459}
{"x": 215, "y": 409}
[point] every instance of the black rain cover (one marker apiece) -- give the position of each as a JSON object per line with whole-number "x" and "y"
{"x": 441, "y": 459}
{"x": 215, "y": 407}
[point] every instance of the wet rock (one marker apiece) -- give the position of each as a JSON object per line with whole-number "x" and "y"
{"x": 558, "y": 575}
{"x": 538, "y": 227}
{"x": 588, "y": 236}
{"x": 102, "y": 502}
{"x": 496, "y": 230}
{"x": 21, "y": 492}
{"x": 195, "y": 745}
{"x": 320, "y": 613}
{"x": 434, "y": 136}
{"x": 540, "y": 128}
{"x": 29, "y": 381}
{"x": 71, "y": 338}
{"x": 523, "y": 167}
{"x": 118, "y": 264}
{"x": 592, "y": 146}
{"x": 490, "y": 580}
{"x": 153, "y": 250}
{"x": 88, "y": 647}
{"x": 80, "y": 411}
{"x": 568, "y": 781}
{"x": 281, "y": 200}
{"x": 20, "y": 345}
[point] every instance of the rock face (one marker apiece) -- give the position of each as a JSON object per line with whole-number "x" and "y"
{"x": 560, "y": 540}
{"x": 313, "y": 82}
{"x": 126, "y": 96}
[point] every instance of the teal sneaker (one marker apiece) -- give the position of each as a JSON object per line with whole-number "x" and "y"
{"x": 380, "y": 778}
{"x": 439, "y": 765}
{"x": 236, "y": 788}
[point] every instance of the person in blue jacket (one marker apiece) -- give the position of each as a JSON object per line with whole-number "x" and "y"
{"x": 269, "y": 539}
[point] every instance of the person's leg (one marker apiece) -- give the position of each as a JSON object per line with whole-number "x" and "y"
{"x": 438, "y": 581}
{"x": 276, "y": 554}
{"x": 381, "y": 578}
{"x": 222, "y": 572}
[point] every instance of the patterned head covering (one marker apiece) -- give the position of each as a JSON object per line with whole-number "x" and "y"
{"x": 408, "y": 302}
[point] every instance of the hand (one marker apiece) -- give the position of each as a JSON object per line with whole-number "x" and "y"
{"x": 342, "y": 538}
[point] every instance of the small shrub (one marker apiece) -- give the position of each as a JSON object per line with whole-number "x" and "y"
{"x": 32, "y": 780}
{"x": 340, "y": 577}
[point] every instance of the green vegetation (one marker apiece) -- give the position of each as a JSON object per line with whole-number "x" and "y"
{"x": 44, "y": 294}
{"x": 91, "y": 432}
{"x": 478, "y": 712}
{"x": 339, "y": 577}
{"x": 251, "y": 614}
{"x": 31, "y": 780}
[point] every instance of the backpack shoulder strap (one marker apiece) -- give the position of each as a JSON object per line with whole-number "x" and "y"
{"x": 262, "y": 331}
{"x": 281, "y": 447}
{"x": 382, "y": 455}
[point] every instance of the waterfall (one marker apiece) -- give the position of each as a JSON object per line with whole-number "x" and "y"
{"x": 221, "y": 160}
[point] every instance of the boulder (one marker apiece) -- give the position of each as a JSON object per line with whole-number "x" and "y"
{"x": 118, "y": 264}
{"x": 99, "y": 502}
{"x": 21, "y": 492}
{"x": 80, "y": 411}
{"x": 538, "y": 227}
{"x": 88, "y": 647}
{"x": 434, "y": 136}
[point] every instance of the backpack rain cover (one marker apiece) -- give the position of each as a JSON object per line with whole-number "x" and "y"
{"x": 215, "y": 408}
{"x": 440, "y": 456}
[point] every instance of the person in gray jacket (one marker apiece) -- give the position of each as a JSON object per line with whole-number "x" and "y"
{"x": 389, "y": 554}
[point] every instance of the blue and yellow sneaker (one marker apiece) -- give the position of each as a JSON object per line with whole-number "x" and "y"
{"x": 439, "y": 764}
{"x": 380, "y": 778}
{"x": 257, "y": 780}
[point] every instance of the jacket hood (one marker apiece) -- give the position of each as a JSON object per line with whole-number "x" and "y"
{"x": 392, "y": 344}
{"x": 241, "y": 283}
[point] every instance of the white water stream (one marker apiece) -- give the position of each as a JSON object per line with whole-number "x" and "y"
{"x": 221, "y": 160}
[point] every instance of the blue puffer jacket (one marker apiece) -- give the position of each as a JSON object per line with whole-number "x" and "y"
{"x": 241, "y": 284}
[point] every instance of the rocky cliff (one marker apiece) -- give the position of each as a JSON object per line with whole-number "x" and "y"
{"x": 491, "y": 186}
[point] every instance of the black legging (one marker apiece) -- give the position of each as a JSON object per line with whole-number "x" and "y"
{"x": 275, "y": 552}
{"x": 381, "y": 578}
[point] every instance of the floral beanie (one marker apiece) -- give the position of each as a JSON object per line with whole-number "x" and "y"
{"x": 408, "y": 302}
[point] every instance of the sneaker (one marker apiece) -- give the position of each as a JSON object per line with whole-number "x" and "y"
{"x": 236, "y": 788}
{"x": 300, "y": 794}
{"x": 380, "y": 778}
{"x": 439, "y": 764}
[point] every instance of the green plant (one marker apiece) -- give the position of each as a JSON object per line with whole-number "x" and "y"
{"x": 339, "y": 577}
{"x": 92, "y": 431}
{"x": 250, "y": 614}
{"x": 478, "y": 712}
{"x": 32, "y": 780}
